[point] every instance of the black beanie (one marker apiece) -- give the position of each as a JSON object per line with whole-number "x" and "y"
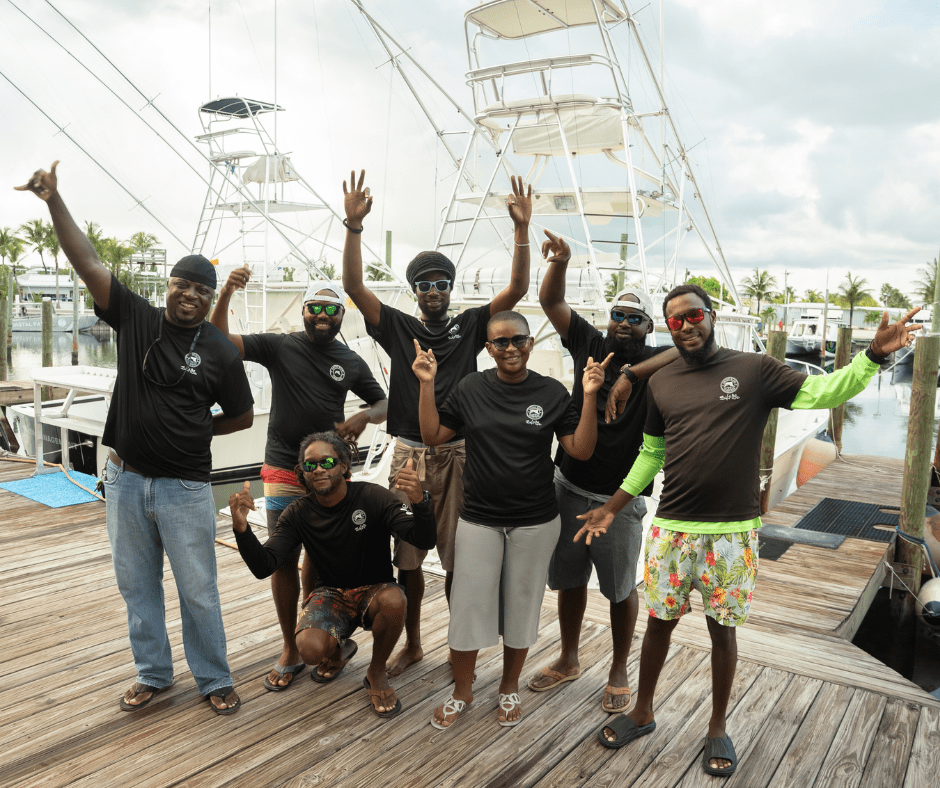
{"x": 426, "y": 262}
{"x": 196, "y": 268}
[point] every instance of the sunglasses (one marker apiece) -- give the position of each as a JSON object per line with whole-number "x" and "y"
{"x": 692, "y": 317}
{"x": 442, "y": 286}
{"x": 316, "y": 309}
{"x": 633, "y": 319}
{"x": 327, "y": 464}
{"x": 501, "y": 343}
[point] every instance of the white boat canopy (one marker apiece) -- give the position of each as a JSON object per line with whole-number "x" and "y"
{"x": 521, "y": 18}
{"x": 270, "y": 169}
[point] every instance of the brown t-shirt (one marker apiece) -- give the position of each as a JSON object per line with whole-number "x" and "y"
{"x": 712, "y": 418}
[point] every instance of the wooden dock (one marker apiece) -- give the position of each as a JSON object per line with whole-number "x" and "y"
{"x": 807, "y": 709}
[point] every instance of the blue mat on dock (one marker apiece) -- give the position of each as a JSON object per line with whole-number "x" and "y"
{"x": 852, "y": 518}
{"x": 54, "y": 489}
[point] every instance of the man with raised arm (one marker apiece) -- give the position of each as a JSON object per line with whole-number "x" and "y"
{"x": 456, "y": 341}
{"x": 311, "y": 374}
{"x": 344, "y": 527}
{"x": 172, "y": 367}
{"x": 582, "y": 484}
{"x": 705, "y": 420}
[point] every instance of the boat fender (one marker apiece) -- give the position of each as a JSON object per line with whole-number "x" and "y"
{"x": 929, "y": 608}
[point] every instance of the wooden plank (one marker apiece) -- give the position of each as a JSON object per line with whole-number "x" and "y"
{"x": 845, "y": 762}
{"x": 891, "y": 748}
{"x": 923, "y": 768}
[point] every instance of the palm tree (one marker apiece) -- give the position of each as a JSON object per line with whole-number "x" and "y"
{"x": 853, "y": 292}
{"x": 35, "y": 233}
{"x": 760, "y": 286}
{"x": 94, "y": 234}
{"x": 813, "y": 296}
{"x": 926, "y": 285}
{"x": 52, "y": 246}
{"x": 142, "y": 242}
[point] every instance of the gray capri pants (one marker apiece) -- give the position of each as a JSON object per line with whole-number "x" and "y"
{"x": 499, "y": 583}
{"x": 614, "y": 555}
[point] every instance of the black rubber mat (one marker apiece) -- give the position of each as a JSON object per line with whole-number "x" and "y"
{"x": 771, "y": 548}
{"x": 851, "y": 518}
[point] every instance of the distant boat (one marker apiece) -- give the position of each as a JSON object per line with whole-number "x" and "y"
{"x": 62, "y": 322}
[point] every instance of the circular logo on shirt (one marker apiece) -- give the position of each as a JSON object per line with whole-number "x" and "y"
{"x": 193, "y": 359}
{"x": 358, "y": 517}
{"x": 729, "y": 385}
{"x": 534, "y": 412}
{"x": 337, "y": 372}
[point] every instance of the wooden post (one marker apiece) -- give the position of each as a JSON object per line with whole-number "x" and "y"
{"x": 914, "y": 501}
{"x": 776, "y": 347}
{"x": 843, "y": 356}
{"x": 622, "y": 274}
{"x": 11, "y": 292}
{"x": 3, "y": 332}
{"x": 74, "y": 318}
{"x": 46, "y": 344}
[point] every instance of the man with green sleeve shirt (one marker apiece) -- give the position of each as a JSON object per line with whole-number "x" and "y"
{"x": 705, "y": 420}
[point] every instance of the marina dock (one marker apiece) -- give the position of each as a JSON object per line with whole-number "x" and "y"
{"x": 807, "y": 709}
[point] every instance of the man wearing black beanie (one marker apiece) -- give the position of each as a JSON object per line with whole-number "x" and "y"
{"x": 456, "y": 342}
{"x": 172, "y": 367}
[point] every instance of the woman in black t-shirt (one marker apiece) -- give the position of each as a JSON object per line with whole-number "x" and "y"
{"x": 509, "y": 523}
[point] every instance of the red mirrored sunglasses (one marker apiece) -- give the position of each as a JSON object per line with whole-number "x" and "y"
{"x": 693, "y": 316}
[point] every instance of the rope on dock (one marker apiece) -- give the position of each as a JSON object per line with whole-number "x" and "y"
{"x": 6, "y": 455}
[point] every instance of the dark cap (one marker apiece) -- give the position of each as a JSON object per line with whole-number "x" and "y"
{"x": 196, "y": 268}
{"x": 426, "y": 262}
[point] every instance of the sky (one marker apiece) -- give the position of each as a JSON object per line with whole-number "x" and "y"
{"x": 814, "y": 127}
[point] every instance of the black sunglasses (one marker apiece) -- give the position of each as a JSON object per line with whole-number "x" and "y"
{"x": 328, "y": 463}
{"x": 316, "y": 309}
{"x": 442, "y": 286}
{"x": 501, "y": 343}
{"x": 631, "y": 317}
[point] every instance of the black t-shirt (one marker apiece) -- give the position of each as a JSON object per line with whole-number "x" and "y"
{"x": 619, "y": 442}
{"x": 713, "y": 417}
{"x": 455, "y": 343}
{"x": 165, "y": 431}
{"x": 310, "y": 384}
{"x": 348, "y": 543}
{"x": 509, "y": 427}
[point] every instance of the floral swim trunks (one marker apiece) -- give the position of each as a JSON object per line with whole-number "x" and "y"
{"x": 723, "y": 567}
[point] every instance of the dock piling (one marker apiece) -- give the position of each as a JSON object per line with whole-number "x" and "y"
{"x": 47, "y": 360}
{"x": 842, "y": 357}
{"x": 3, "y": 332}
{"x": 776, "y": 347}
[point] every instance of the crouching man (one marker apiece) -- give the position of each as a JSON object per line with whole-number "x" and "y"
{"x": 344, "y": 527}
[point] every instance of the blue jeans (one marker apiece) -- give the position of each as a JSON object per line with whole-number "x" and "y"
{"x": 145, "y": 517}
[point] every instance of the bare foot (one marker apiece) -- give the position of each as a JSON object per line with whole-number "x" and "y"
{"x": 407, "y": 656}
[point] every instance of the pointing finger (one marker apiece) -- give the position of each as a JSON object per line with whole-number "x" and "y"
{"x": 606, "y": 361}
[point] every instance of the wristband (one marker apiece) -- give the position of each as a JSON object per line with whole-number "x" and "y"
{"x": 629, "y": 374}
{"x": 870, "y": 355}
{"x": 519, "y": 244}
{"x": 352, "y": 229}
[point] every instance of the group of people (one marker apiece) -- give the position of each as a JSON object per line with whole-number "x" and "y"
{"x": 472, "y": 474}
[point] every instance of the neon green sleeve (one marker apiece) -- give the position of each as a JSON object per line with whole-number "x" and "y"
{"x": 828, "y": 391}
{"x": 648, "y": 463}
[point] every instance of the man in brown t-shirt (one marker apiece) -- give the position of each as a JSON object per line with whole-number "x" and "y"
{"x": 705, "y": 421}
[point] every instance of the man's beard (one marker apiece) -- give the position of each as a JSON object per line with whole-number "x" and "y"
{"x": 701, "y": 355}
{"x": 628, "y": 349}
{"x": 320, "y": 338}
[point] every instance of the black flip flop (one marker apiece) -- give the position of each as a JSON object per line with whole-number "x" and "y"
{"x": 349, "y": 651}
{"x": 293, "y": 671}
{"x": 376, "y": 693}
{"x": 627, "y": 731}
{"x": 719, "y": 747}
{"x": 223, "y": 693}
{"x": 138, "y": 689}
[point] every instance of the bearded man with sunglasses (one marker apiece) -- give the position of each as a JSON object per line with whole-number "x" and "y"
{"x": 705, "y": 420}
{"x": 311, "y": 374}
{"x": 456, "y": 342}
{"x": 344, "y": 527}
{"x": 581, "y": 485}
{"x": 172, "y": 367}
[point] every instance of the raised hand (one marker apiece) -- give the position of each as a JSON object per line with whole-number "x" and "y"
{"x": 240, "y": 504}
{"x": 520, "y": 203}
{"x": 617, "y": 398}
{"x": 596, "y": 523}
{"x": 238, "y": 279}
{"x": 356, "y": 200}
{"x": 557, "y": 248}
{"x": 43, "y": 184}
{"x": 407, "y": 481}
{"x": 425, "y": 365}
{"x": 594, "y": 374}
{"x": 893, "y": 336}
